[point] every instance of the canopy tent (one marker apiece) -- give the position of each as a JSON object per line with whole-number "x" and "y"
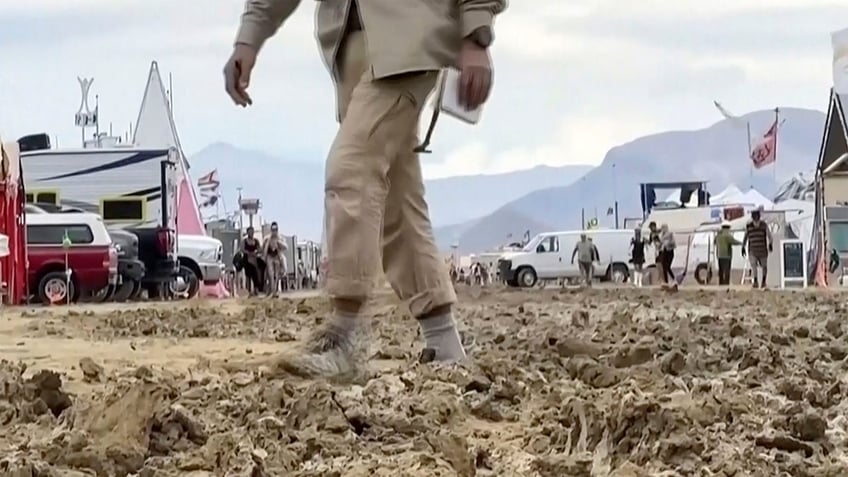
{"x": 801, "y": 186}
{"x": 687, "y": 194}
{"x": 155, "y": 127}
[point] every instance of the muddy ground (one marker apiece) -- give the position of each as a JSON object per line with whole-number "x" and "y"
{"x": 562, "y": 383}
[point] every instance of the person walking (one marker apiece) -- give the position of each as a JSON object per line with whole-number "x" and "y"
{"x": 252, "y": 267}
{"x": 759, "y": 243}
{"x": 374, "y": 194}
{"x": 724, "y": 243}
{"x": 637, "y": 256}
{"x": 586, "y": 254}
{"x": 274, "y": 249}
{"x": 667, "y": 246}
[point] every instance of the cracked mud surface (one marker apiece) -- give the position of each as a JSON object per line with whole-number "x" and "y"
{"x": 562, "y": 383}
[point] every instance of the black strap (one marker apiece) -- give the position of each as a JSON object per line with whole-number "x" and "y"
{"x": 423, "y": 148}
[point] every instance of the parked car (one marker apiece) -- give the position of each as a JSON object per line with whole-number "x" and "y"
{"x": 201, "y": 262}
{"x": 130, "y": 268}
{"x": 58, "y": 243}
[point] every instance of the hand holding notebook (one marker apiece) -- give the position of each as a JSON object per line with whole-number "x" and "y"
{"x": 449, "y": 101}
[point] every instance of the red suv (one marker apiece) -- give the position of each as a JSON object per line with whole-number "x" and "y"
{"x": 76, "y": 242}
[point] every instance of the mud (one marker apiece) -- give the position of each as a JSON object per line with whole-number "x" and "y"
{"x": 562, "y": 383}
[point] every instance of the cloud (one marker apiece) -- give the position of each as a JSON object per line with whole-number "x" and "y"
{"x": 580, "y": 139}
{"x": 573, "y": 78}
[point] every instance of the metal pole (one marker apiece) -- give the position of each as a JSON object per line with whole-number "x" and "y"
{"x": 616, "y": 215}
{"x": 776, "y": 128}
{"x": 582, "y": 218}
{"x": 750, "y": 160}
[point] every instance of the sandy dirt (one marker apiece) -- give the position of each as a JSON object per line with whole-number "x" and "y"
{"x": 561, "y": 383}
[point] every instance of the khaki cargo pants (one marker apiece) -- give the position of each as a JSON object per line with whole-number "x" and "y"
{"x": 374, "y": 192}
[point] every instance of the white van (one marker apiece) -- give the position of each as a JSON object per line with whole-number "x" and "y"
{"x": 548, "y": 257}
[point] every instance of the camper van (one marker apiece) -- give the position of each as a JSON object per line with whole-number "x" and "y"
{"x": 131, "y": 189}
{"x": 548, "y": 257}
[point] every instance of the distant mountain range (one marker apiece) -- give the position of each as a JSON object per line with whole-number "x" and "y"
{"x": 292, "y": 192}
{"x": 717, "y": 154}
{"x": 485, "y": 211}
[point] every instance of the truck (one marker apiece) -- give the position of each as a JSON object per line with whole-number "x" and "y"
{"x": 548, "y": 257}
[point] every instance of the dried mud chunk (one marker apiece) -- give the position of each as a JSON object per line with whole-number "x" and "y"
{"x": 561, "y": 465}
{"x": 792, "y": 389}
{"x": 784, "y": 443}
{"x": 571, "y": 347}
{"x": 737, "y": 330}
{"x": 628, "y": 356}
{"x": 836, "y": 352}
{"x": 48, "y": 388}
{"x": 781, "y": 340}
{"x": 592, "y": 373}
{"x": 834, "y": 327}
{"x": 801, "y": 332}
{"x": 454, "y": 449}
{"x": 808, "y": 426}
{"x": 91, "y": 371}
{"x": 673, "y": 363}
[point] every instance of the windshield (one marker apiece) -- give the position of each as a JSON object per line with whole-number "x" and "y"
{"x": 532, "y": 244}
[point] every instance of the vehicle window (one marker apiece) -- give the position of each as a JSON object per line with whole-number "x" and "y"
{"x": 129, "y": 209}
{"x": 54, "y": 234}
{"x": 47, "y": 198}
{"x": 30, "y": 198}
{"x": 548, "y": 244}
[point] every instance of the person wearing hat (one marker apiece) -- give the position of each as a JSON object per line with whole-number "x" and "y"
{"x": 724, "y": 243}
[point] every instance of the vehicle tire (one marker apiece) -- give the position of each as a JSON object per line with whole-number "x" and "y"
{"x": 103, "y": 295}
{"x": 55, "y": 288}
{"x": 136, "y": 291}
{"x": 703, "y": 274}
{"x": 190, "y": 284}
{"x": 125, "y": 290}
{"x": 527, "y": 277}
{"x": 619, "y": 273}
{"x": 512, "y": 283}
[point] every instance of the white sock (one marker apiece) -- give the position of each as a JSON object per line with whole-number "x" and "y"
{"x": 441, "y": 335}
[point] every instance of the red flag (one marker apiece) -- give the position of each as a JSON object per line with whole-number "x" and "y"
{"x": 765, "y": 151}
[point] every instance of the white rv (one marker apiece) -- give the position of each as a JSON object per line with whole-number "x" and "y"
{"x": 548, "y": 257}
{"x": 131, "y": 189}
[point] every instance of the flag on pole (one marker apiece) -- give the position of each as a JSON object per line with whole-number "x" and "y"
{"x": 764, "y": 153}
{"x": 610, "y": 211}
{"x": 207, "y": 187}
{"x": 527, "y": 236}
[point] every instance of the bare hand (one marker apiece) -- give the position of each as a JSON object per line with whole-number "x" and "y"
{"x": 237, "y": 74}
{"x": 475, "y": 79}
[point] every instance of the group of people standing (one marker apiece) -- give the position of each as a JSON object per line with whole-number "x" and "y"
{"x": 756, "y": 245}
{"x": 264, "y": 263}
{"x": 663, "y": 242}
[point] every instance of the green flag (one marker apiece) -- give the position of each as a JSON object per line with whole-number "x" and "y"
{"x": 593, "y": 223}
{"x": 66, "y": 240}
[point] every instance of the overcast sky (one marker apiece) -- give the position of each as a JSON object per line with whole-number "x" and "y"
{"x": 573, "y": 78}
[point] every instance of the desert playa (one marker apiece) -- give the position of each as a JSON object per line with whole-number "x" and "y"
{"x": 615, "y": 382}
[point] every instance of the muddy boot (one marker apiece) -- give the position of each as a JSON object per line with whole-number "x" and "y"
{"x": 333, "y": 353}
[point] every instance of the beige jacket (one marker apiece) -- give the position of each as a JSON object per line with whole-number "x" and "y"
{"x": 402, "y": 35}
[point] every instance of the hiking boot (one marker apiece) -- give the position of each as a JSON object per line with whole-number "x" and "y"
{"x": 327, "y": 354}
